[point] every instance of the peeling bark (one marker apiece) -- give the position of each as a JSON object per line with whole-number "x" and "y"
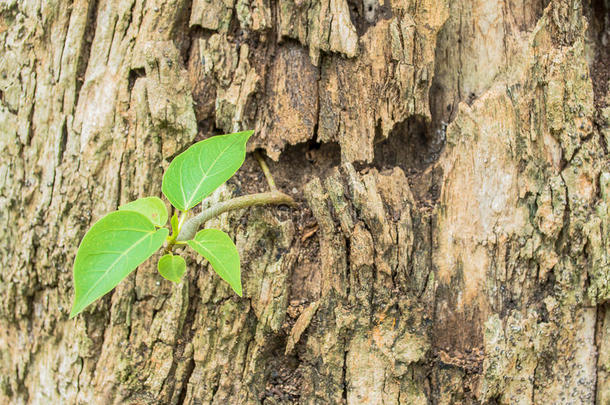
{"x": 451, "y": 167}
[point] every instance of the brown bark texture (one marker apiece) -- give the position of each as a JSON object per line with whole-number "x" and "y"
{"x": 451, "y": 167}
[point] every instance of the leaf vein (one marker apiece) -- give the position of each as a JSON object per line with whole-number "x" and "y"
{"x": 115, "y": 262}
{"x": 205, "y": 176}
{"x": 220, "y": 264}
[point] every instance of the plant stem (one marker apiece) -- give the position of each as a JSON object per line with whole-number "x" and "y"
{"x": 265, "y": 168}
{"x": 189, "y": 229}
{"x": 172, "y": 239}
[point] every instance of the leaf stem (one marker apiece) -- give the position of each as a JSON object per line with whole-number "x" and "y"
{"x": 191, "y": 226}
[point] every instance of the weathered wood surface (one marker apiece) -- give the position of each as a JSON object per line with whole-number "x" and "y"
{"x": 450, "y": 159}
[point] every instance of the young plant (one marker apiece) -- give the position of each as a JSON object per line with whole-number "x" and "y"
{"x": 122, "y": 240}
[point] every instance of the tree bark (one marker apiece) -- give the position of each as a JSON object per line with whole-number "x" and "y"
{"x": 450, "y": 161}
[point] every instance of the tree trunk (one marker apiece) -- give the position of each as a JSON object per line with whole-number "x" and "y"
{"x": 450, "y": 160}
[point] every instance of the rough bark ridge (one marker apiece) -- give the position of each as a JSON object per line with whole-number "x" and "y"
{"x": 451, "y": 163}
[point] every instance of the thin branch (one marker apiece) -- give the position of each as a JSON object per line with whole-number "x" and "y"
{"x": 265, "y": 168}
{"x": 189, "y": 229}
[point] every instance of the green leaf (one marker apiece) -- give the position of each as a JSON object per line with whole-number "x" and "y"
{"x": 199, "y": 170}
{"x": 113, "y": 247}
{"x": 151, "y": 207}
{"x": 174, "y": 222}
{"x": 171, "y": 267}
{"x": 218, "y": 248}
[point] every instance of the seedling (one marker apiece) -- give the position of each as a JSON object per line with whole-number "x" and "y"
{"x": 122, "y": 240}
